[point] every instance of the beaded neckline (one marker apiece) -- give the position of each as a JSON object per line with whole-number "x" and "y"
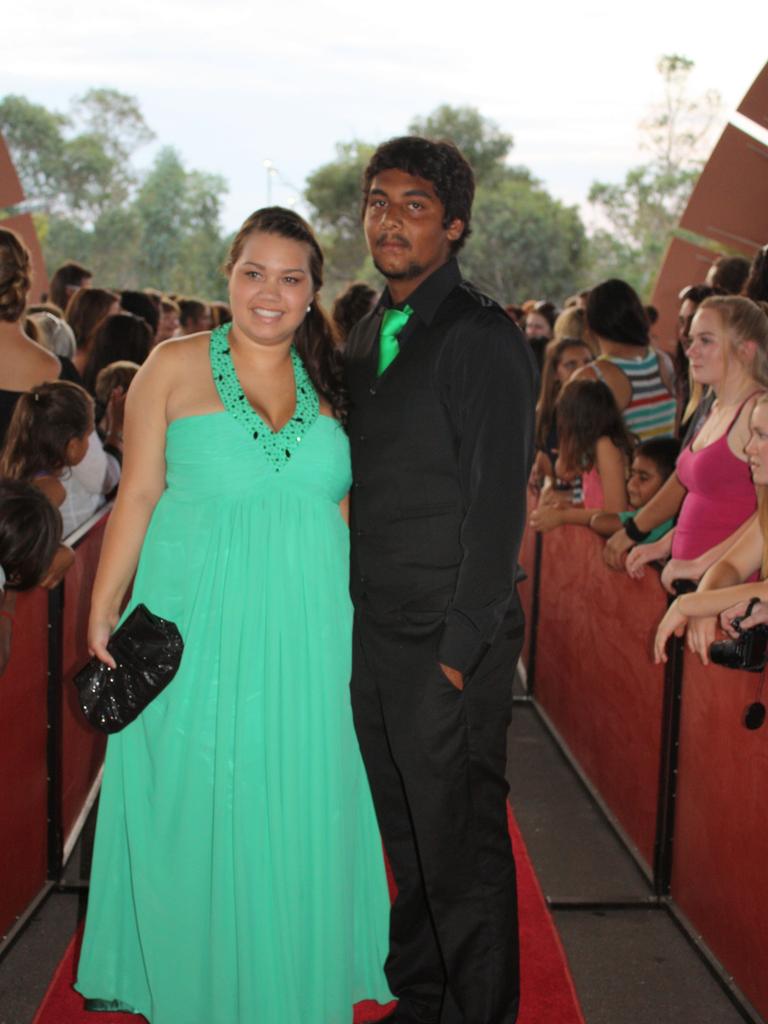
{"x": 278, "y": 446}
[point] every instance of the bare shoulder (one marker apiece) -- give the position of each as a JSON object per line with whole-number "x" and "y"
{"x": 742, "y": 422}
{"x": 611, "y": 375}
{"x": 34, "y": 361}
{"x": 179, "y": 350}
{"x": 752, "y": 401}
{"x": 52, "y": 488}
{"x": 175, "y": 357}
{"x": 585, "y": 373}
{"x": 739, "y": 433}
{"x": 47, "y": 360}
{"x": 606, "y": 371}
{"x": 606, "y": 449}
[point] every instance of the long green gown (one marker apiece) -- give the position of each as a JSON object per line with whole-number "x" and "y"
{"x": 238, "y": 874}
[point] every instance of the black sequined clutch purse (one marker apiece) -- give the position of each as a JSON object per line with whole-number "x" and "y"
{"x": 147, "y": 651}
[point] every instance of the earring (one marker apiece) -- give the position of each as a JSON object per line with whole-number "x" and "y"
{"x": 309, "y": 308}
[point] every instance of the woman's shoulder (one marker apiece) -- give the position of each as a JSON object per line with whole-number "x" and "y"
{"x": 606, "y": 446}
{"x": 741, "y": 420}
{"x": 182, "y": 348}
{"x": 45, "y": 363}
{"x": 176, "y": 355}
{"x": 52, "y": 488}
{"x": 603, "y": 369}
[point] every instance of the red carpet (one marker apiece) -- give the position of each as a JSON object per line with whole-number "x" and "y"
{"x": 548, "y": 996}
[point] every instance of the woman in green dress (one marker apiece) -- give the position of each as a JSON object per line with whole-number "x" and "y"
{"x": 238, "y": 875}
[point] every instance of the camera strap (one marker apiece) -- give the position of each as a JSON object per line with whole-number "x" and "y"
{"x": 754, "y": 714}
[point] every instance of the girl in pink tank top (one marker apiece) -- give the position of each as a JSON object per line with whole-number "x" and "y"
{"x": 725, "y": 356}
{"x": 721, "y": 494}
{"x": 594, "y": 444}
{"x": 711, "y": 486}
{"x": 719, "y": 592}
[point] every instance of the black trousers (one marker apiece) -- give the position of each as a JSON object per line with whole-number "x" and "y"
{"x": 436, "y": 760}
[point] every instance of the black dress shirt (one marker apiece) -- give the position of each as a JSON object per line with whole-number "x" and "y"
{"x": 441, "y": 445}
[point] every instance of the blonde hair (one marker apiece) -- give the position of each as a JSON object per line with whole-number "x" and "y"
{"x": 571, "y": 323}
{"x": 15, "y": 275}
{"x": 743, "y": 320}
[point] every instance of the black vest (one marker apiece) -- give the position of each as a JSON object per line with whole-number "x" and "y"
{"x": 406, "y": 508}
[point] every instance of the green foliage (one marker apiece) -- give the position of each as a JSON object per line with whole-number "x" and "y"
{"x": 75, "y": 166}
{"x": 91, "y": 205}
{"x": 639, "y": 216}
{"x": 481, "y": 140}
{"x": 34, "y": 137}
{"x": 524, "y": 243}
{"x": 180, "y": 244}
{"x": 334, "y": 192}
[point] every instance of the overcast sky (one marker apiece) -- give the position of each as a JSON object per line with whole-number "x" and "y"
{"x": 233, "y": 85}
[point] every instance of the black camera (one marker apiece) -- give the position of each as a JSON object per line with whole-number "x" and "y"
{"x": 749, "y": 651}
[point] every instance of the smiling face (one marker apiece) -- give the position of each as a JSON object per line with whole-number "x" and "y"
{"x": 270, "y": 287}
{"x": 757, "y": 447}
{"x": 404, "y": 229}
{"x": 643, "y": 482}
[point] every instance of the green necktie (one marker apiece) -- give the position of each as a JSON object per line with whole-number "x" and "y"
{"x": 394, "y": 321}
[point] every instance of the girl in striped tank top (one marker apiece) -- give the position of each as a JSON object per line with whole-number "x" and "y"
{"x": 627, "y": 363}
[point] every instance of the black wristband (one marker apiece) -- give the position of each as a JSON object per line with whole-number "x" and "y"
{"x": 634, "y": 532}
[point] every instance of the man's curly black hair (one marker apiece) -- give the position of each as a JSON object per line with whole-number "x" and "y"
{"x": 440, "y": 163}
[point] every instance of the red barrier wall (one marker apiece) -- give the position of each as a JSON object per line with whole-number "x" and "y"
{"x": 595, "y": 678}
{"x": 23, "y": 760}
{"x": 82, "y": 746}
{"x": 720, "y": 872}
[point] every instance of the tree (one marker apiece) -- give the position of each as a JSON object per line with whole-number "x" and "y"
{"x": 334, "y": 192}
{"x": 77, "y": 165}
{"x": 524, "y": 243}
{"x": 481, "y": 140}
{"x": 180, "y": 247}
{"x": 91, "y": 204}
{"x": 35, "y": 141}
{"x": 112, "y": 128}
{"x": 641, "y": 213}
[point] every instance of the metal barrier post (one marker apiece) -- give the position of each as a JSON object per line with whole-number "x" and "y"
{"x": 55, "y": 674}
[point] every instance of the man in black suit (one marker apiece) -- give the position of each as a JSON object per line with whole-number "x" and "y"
{"x": 441, "y": 428}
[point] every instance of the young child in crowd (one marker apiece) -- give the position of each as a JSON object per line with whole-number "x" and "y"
{"x": 30, "y": 534}
{"x": 116, "y": 375}
{"x": 652, "y": 464}
{"x": 562, "y": 360}
{"x": 112, "y": 383}
{"x": 49, "y": 434}
{"x": 594, "y": 444}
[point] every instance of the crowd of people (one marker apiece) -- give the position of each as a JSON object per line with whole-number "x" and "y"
{"x": 654, "y": 448}
{"x": 659, "y": 449}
